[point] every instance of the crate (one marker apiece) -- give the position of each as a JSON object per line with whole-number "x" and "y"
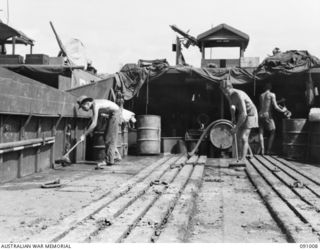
{"x": 173, "y": 145}
{"x": 56, "y": 60}
{"x": 202, "y": 149}
{"x": 37, "y": 59}
{"x": 11, "y": 59}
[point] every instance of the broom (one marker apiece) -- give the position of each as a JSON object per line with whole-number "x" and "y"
{"x": 236, "y": 163}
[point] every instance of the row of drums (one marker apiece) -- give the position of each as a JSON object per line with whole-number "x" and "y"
{"x": 148, "y": 137}
{"x": 301, "y": 140}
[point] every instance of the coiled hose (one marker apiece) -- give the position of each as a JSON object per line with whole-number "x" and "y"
{"x": 204, "y": 133}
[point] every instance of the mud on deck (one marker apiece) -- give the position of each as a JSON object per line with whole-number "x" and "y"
{"x": 170, "y": 199}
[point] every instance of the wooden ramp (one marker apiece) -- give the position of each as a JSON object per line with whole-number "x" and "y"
{"x": 177, "y": 199}
{"x": 157, "y": 201}
{"x": 291, "y": 195}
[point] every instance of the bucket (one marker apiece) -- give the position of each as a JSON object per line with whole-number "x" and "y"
{"x": 148, "y": 134}
{"x": 295, "y": 139}
{"x": 314, "y": 142}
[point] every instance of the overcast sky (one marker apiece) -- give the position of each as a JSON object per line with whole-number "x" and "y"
{"x": 123, "y": 31}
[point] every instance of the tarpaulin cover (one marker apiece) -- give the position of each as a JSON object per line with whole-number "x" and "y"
{"x": 131, "y": 77}
{"x": 287, "y": 63}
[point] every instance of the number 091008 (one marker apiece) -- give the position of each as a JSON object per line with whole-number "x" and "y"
{"x": 314, "y": 246}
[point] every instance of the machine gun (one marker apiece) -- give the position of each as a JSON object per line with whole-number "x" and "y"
{"x": 189, "y": 40}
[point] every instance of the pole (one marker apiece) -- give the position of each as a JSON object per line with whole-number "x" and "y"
{"x": 178, "y": 50}
{"x": 13, "y": 45}
{"x": 147, "y": 96}
{"x": 8, "y": 15}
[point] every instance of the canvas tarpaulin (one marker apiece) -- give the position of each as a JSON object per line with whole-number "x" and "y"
{"x": 132, "y": 77}
{"x": 287, "y": 63}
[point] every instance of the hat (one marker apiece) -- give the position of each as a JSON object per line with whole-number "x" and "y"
{"x": 82, "y": 99}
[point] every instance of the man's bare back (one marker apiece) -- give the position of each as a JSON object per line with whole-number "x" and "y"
{"x": 243, "y": 103}
{"x": 265, "y": 102}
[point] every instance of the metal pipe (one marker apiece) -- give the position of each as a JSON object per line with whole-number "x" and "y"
{"x": 13, "y": 149}
{"x": 25, "y": 142}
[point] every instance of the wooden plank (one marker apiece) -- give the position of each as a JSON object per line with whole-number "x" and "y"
{"x": 178, "y": 223}
{"x": 193, "y": 160}
{"x": 115, "y": 208}
{"x": 305, "y": 194}
{"x": 306, "y": 212}
{"x": 295, "y": 229}
{"x": 213, "y": 162}
{"x": 156, "y": 215}
{"x": 300, "y": 171}
{"x": 180, "y": 162}
{"x": 56, "y": 232}
{"x": 202, "y": 159}
{"x": 122, "y": 225}
{"x": 296, "y": 175}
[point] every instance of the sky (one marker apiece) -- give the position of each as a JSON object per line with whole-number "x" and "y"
{"x": 117, "y": 32}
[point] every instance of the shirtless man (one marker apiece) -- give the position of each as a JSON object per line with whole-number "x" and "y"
{"x": 112, "y": 110}
{"x": 267, "y": 103}
{"x": 247, "y": 115}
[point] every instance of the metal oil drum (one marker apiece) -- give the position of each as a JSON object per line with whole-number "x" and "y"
{"x": 314, "y": 142}
{"x": 148, "y": 134}
{"x": 220, "y": 134}
{"x": 98, "y": 144}
{"x": 295, "y": 139}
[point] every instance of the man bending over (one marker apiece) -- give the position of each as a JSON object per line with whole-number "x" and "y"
{"x": 247, "y": 115}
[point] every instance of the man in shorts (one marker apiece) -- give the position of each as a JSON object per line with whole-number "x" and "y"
{"x": 266, "y": 122}
{"x": 247, "y": 115}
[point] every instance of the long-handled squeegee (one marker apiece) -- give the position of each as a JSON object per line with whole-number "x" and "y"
{"x": 65, "y": 160}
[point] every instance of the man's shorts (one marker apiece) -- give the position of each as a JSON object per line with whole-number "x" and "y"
{"x": 266, "y": 122}
{"x": 250, "y": 122}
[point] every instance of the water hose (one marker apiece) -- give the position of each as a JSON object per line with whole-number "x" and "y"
{"x": 190, "y": 154}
